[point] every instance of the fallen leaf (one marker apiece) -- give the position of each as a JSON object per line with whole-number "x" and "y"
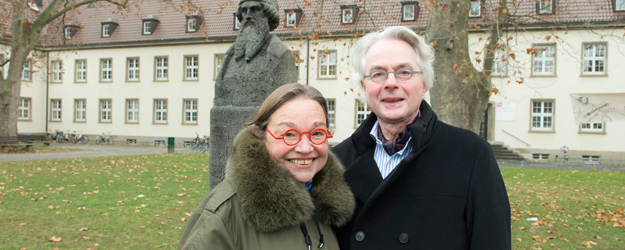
{"x": 55, "y": 239}
{"x": 22, "y": 224}
{"x": 83, "y": 229}
{"x": 589, "y": 244}
{"x": 519, "y": 239}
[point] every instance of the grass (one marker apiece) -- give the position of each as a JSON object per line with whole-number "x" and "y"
{"x": 141, "y": 202}
{"x": 127, "y": 202}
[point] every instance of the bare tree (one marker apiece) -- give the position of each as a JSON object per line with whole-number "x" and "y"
{"x": 26, "y": 28}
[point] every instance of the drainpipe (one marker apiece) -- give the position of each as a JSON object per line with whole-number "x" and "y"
{"x": 47, "y": 89}
{"x": 307, "y": 59}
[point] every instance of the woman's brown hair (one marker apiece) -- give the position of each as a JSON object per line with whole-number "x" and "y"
{"x": 277, "y": 98}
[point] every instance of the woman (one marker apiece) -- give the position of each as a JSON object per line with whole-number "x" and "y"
{"x": 282, "y": 188}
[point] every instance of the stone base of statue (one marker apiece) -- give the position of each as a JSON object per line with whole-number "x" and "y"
{"x": 225, "y": 123}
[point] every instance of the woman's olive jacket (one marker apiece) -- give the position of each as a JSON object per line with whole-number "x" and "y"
{"x": 259, "y": 205}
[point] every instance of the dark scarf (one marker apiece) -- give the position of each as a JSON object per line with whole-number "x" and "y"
{"x": 393, "y": 146}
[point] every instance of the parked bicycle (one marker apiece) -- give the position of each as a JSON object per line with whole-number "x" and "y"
{"x": 104, "y": 138}
{"x": 80, "y": 138}
{"x": 199, "y": 145}
{"x": 53, "y": 137}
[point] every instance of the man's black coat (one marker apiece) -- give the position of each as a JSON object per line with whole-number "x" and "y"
{"x": 447, "y": 193}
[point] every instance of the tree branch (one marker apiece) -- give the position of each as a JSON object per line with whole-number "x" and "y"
{"x": 49, "y": 14}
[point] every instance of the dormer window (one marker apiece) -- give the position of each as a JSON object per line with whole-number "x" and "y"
{"x": 619, "y": 5}
{"x": 409, "y": 11}
{"x": 545, "y": 7}
{"x": 108, "y": 28}
{"x": 70, "y": 31}
{"x": 293, "y": 17}
{"x": 348, "y": 14}
{"x": 149, "y": 25}
{"x": 236, "y": 24}
{"x": 476, "y": 9}
{"x": 193, "y": 23}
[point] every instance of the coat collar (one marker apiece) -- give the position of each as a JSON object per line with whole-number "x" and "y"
{"x": 272, "y": 199}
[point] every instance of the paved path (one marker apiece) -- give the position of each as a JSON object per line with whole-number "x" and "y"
{"x": 89, "y": 151}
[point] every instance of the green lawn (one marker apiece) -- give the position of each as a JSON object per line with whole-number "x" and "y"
{"x": 140, "y": 202}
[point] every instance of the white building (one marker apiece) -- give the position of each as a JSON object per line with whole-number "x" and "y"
{"x": 148, "y": 73}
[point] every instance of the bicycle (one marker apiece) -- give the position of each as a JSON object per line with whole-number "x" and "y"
{"x": 80, "y": 138}
{"x": 200, "y": 145}
{"x": 53, "y": 137}
{"x": 104, "y": 138}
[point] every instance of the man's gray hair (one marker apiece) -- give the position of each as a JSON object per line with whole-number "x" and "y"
{"x": 270, "y": 8}
{"x": 425, "y": 53}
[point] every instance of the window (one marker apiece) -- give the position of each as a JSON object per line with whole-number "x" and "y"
{"x": 540, "y": 157}
{"x": 55, "y": 109}
{"x": 81, "y": 70}
{"x": 348, "y": 14}
{"x": 80, "y": 110}
{"x": 191, "y": 25}
{"x": 619, "y": 5}
{"x": 70, "y": 30}
{"x": 409, "y": 11}
{"x": 331, "y": 112}
{"x": 219, "y": 59}
{"x": 105, "y": 110}
{"x": 23, "y": 109}
{"x": 106, "y": 68}
{"x": 594, "y": 59}
{"x": 147, "y": 28}
{"x": 327, "y": 64}
{"x": 590, "y": 159}
{"x": 161, "y": 68}
{"x": 68, "y": 33}
{"x": 132, "y": 110}
{"x": 133, "y": 69}
{"x": 542, "y": 115}
{"x": 57, "y": 71}
{"x": 159, "y": 143}
{"x": 236, "y": 24}
{"x": 105, "y": 31}
{"x": 190, "y": 67}
{"x": 500, "y": 63}
{"x": 476, "y": 9}
{"x": 297, "y": 61}
{"x": 293, "y": 17}
{"x": 545, "y": 7}
{"x": 131, "y": 141}
{"x": 190, "y": 111}
{"x": 160, "y": 111}
{"x": 543, "y": 60}
{"x": 362, "y": 110}
{"x": 26, "y": 72}
{"x": 596, "y": 127}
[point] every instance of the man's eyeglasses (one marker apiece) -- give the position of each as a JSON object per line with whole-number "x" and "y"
{"x": 292, "y": 136}
{"x": 402, "y": 74}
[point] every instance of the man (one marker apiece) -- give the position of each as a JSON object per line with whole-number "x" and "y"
{"x": 419, "y": 183}
{"x": 255, "y": 65}
{"x": 257, "y": 62}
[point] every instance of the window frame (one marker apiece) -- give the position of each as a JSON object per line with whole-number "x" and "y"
{"x": 24, "y": 113}
{"x": 78, "y": 71}
{"x": 82, "y": 109}
{"x": 591, "y": 159}
{"x": 344, "y": 12}
{"x": 217, "y": 66}
{"x": 292, "y": 17}
{"x": 594, "y": 59}
{"x": 551, "y": 5}
{"x": 544, "y": 58}
{"x": 106, "y": 30}
{"x": 57, "y": 73}
{"x": 478, "y": 15}
{"x": 148, "y": 25}
{"x": 164, "y": 69}
{"x": 136, "y": 69}
{"x": 147, "y": 28}
{"x": 68, "y": 33}
{"x": 163, "y": 111}
{"x": 27, "y": 71}
{"x": 542, "y": 114}
{"x": 103, "y": 69}
{"x": 321, "y": 64}
{"x": 331, "y": 112}
{"x": 415, "y": 10}
{"x": 135, "y": 111}
{"x": 614, "y": 4}
{"x": 497, "y": 60}
{"x": 191, "y": 111}
{"x": 365, "y": 112}
{"x": 102, "y": 110}
{"x": 186, "y": 68}
{"x": 190, "y": 27}
{"x": 56, "y": 113}
{"x": 541, "y": 157}
{"x": 592, "y": 130}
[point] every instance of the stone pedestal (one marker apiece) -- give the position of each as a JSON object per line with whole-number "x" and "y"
{"x": 226, "y": 122}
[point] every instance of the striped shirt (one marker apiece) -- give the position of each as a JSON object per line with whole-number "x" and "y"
{"x": 386, "y": 163}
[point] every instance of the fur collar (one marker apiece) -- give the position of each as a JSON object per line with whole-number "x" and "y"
{"x": 272, "y": 199}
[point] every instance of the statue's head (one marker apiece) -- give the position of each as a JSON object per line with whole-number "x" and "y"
{"x": 259, "y": 9}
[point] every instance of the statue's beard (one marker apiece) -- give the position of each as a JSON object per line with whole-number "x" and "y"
{"x": 251, "y": 38}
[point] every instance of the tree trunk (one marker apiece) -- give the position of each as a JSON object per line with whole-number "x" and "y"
{"x": 460, "y": 93}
